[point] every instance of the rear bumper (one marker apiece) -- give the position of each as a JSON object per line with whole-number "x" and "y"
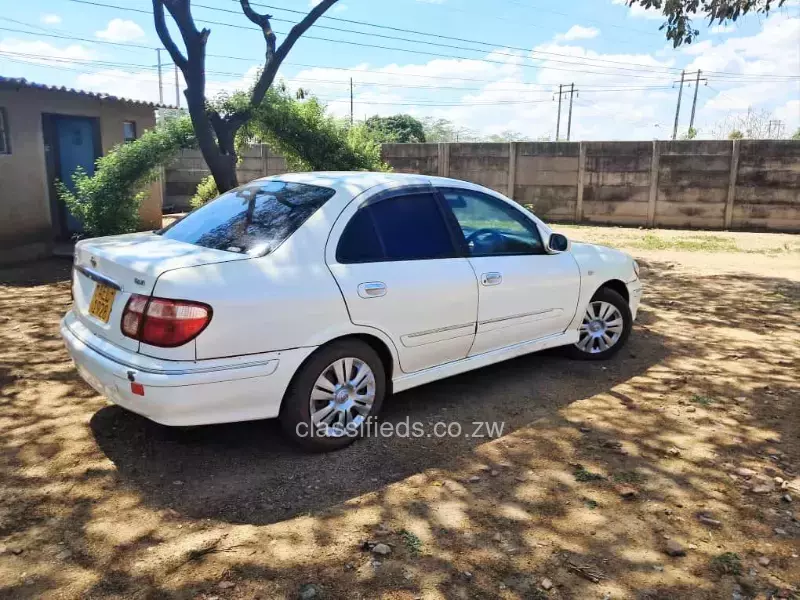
{"x": 183, "y": 392}
{"x": 635, "y": 289}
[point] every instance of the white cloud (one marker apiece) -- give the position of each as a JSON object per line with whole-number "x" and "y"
{"x": 697, "y": 47}
{"x": 789, "y": 113}
{"x": 44, "y": 53}
{"x": 639, "y": 11}
{"x": 143, "y": 85}
{"x": 719, "y": 29}
{"x": 578, "y": 32}
{"x": 121, "y": 30}
{"x": 507, "y": 95}
{"x": 50, "y": 19}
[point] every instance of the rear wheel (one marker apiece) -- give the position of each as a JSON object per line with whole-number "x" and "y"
{"x": 333, "y": 395}
{"x": 605, "y": 328}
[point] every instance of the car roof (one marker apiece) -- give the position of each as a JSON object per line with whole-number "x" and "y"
{"x": 353, "y": 183}
{"x": 359, "y": 181}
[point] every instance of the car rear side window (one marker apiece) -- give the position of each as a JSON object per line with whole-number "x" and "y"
{"x": 407, "y": 227}
{"x": 252, "y": 219}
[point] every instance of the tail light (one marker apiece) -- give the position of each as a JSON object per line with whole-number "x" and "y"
{"x": 163, "y": 322}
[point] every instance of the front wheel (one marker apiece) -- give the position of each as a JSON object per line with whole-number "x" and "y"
{"x": 605, "y": 328}
{"x": 333, "y": 396}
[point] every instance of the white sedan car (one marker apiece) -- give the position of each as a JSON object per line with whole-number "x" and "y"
{"x": 311, "y": 296}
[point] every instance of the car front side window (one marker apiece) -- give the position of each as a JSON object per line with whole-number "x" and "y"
{"x": 491, "y": 227}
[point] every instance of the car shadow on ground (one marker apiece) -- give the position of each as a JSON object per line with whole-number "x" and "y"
{"x": 250, "y": 473}
{"x": 708, "y": 372}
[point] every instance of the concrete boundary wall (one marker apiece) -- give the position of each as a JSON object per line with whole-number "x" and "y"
{"x": 748, "y": 184}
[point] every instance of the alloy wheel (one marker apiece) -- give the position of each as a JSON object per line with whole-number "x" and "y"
{"x": 601, "y": 328}
{"x": 342, "y": 397}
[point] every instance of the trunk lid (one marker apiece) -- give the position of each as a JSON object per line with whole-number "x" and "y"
{"x": 128, "y": 264}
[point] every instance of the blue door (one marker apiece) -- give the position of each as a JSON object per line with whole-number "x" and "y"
{"x": 76, "y": 148}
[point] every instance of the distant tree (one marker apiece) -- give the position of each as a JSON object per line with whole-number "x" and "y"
{"x": 679, "y": 14}
{"x": 735, "y": 135}
{"x": 690, "y": 134}
{"x": 752, "y": 125}
{"x": 401, "y": 129}
{"x": 507, "y": 136}
{"x": 796, "y": 134}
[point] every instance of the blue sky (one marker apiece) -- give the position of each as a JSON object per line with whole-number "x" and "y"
{"x": 501, "y": 77}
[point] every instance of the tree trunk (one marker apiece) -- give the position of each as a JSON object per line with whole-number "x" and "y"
{"x": 216, "y": 142}
{"x": 216, "y": 135}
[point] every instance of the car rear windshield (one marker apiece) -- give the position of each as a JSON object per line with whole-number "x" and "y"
{"x": 253, "y": 219}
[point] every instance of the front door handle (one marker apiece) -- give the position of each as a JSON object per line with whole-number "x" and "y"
{"x": 491, "y": 278}
{"x": 372, "y": 289}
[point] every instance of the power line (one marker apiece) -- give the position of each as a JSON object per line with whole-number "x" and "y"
{"x": 604, "y": 23}
{"x": 493, "y": 45}
{"x": 407, "y": 50}
{"x": 43, "y": 59}
{"x": 744, "y": 78}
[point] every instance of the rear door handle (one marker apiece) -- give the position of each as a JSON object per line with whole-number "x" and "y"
{"x": 372, "y": 289}
{"x": 491, "y": 278}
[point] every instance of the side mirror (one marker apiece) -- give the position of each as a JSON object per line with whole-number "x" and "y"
{"x": 557, "y": 243}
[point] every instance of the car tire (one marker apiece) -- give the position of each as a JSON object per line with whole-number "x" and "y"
{"x": 320, "y": 375}
{"x": 600, "y": 324}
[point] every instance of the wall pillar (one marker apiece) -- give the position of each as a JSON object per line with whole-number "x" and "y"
{"x": 512, "y": 168}
{"x": 581, "y": 179}
{"x": 444, "y": 159}
{"x": 732, "y": 184}
{"x": 653, "y": 197}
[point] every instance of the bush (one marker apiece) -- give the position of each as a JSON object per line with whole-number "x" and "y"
{"x": 108, "y": 202}
{"x": 206, "y": 191}
{"x": 309, "y": 138}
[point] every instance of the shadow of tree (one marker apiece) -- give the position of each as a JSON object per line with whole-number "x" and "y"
{"x": 707, "y": 387}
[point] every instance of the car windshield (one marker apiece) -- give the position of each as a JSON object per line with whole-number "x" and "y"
{"x": 252, "y": 219}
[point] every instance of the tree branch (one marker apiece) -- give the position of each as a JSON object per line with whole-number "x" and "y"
{"x": 263, "y": 22}
{"x": 274, "y": 57}
{"x": 163, "y": 34}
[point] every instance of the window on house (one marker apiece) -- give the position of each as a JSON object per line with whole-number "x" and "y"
{"x": 5, "y": 148}
{"x": 129, "y": 131}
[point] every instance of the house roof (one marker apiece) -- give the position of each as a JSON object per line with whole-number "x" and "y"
{"x": 20, "y": 82}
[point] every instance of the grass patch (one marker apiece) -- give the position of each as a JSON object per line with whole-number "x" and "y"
{"x": 702, "y": 400}
{"x": 411, "y": 541}
{"x": 581, "y": 474}
{"x": 689, "y": 243}
{"x": 629, "y": 477}
{"x": 592, "y": 504}
{"x": 727, "y": 563}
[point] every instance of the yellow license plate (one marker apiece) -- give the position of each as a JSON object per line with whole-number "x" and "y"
{"x": 102, "y": 301}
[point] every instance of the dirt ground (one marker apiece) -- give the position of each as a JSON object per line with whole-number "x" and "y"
{"x": 687, "y": 441}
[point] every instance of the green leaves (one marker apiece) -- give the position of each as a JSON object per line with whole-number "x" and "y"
{"x": 678, "y": 14}
{"x": 397, "y": 129}
{"x": 309, "y": 138}
{"x": 108, "y": 203}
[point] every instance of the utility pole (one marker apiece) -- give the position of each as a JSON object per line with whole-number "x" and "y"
{"x": 160, "y": 80}
{"x": 558, "y": 123}
{"x": 177, "y": 89}
{"x": 351, "y": 102}
{"x": 678, "y": 109}
{"x": 778, "y": 125}
{"x": 569, "y": 122}
{"x": 694, "y": 103}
